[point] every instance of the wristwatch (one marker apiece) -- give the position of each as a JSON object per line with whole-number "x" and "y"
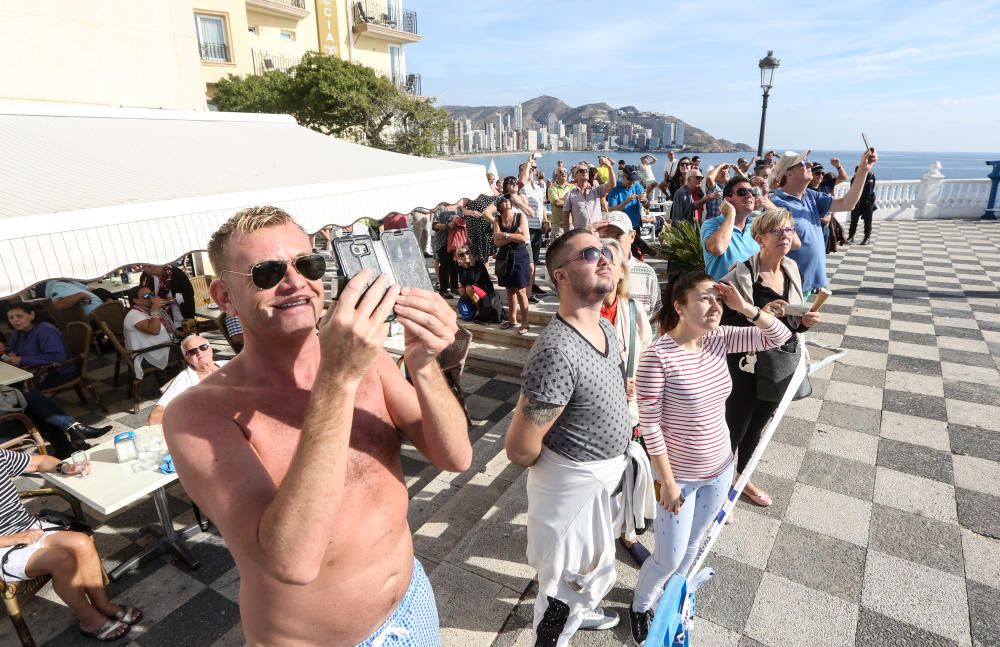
{"x": 59, "y": 468}
{"x": 755, "y": 317}
{"x": 506, "y": 236}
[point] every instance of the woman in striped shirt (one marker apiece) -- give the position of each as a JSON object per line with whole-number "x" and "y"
{"x": 681, "y": 385}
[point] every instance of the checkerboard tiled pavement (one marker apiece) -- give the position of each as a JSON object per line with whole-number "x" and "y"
{"x": 886, "y": 523}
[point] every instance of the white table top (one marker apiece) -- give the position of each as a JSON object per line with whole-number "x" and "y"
{"x": 206, "y": 312}
{"x": 111, "y": 485}
{"x": 115, "y": 286}
{"x": 10, "y": 374}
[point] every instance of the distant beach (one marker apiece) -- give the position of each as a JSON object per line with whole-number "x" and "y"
{"x": 892, "y": 165}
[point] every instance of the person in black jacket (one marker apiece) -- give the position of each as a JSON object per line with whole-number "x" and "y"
{"x": 865, "y": 208}
{"x": 170, "y": 283}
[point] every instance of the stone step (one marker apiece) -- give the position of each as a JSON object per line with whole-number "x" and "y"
{"x": 443, "y": 512}
{"x": 493, "y": 334}
{"x": 491, "y": 356}
{"x": 482, "y": 581}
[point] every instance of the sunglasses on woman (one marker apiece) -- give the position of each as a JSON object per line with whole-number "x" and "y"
{"x": 591, "y": 255}
{"x": 194, "y": 350}
{"x": 267, "y": 274}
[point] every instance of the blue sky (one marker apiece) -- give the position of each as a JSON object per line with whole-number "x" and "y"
{"x": 913, "y": 75}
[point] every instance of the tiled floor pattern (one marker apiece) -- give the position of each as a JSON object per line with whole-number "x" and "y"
{"x": 885, "y": 529}
{"x": 886, "y": 523}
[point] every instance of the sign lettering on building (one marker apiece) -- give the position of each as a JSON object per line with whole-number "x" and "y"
{"x": 326, "y": 21}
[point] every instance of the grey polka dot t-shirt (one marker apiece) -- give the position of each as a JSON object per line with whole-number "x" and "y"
{"x": 564, "y": 369}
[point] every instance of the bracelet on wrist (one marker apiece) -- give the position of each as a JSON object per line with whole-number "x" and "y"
{"x": 59, "y": 468}
{"x": 754, "y": 318}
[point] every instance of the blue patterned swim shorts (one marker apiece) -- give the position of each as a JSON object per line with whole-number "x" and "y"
{"x": 415, "y": 622}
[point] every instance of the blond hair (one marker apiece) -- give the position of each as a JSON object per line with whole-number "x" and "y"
{"x": 768, "y": 220}
{"x": 246, "y": 221}
{"x": 622, "y": 288}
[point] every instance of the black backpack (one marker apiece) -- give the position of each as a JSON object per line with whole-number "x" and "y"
{"x": 491, "y": 309}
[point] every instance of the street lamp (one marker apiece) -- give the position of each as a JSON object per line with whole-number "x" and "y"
{"x": 767, "y": 66}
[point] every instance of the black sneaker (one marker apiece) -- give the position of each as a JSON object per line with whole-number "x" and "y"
{"x": 864, "y": 242}
{"x": 639, "y": 624}
{"x": 534, "y": 299}
{"x": 537, "y": 289}
{"x": 446, "y": 295}
{"x": 849, "y": 241}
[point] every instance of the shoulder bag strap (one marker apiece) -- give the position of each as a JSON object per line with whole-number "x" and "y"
{"x": 630, "y": 366}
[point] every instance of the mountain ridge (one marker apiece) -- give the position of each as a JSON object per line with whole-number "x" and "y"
{"x": 598, "y": 117}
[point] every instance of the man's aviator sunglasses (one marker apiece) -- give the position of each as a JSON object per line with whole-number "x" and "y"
{"x": 591, "y": 255}
{"x": 267, "y": 274}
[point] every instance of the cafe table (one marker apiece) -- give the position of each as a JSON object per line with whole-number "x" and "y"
{"x": 10, "y": 374}
{"x": 111, "y": 486}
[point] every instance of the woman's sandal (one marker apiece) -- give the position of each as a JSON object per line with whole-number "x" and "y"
{"x": 523, "y": 330}
{"x": 507, "y": 324}
{"x": 108, "y": 632}
{"x": 129, "y": 615}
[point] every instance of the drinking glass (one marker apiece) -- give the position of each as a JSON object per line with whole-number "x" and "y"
{"x": 81, "y": 461}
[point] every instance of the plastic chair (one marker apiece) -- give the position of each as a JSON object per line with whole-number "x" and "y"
{"x": 78, "y": 336}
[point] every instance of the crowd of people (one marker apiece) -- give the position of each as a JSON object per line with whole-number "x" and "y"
{"x": 636, "y": 402}
{"x": 598, "y": 382}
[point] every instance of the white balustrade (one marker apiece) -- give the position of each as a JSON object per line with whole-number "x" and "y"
{"x": 933, "y": 196}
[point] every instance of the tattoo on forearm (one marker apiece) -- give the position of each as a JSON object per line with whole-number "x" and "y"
{"x": 540, "y": 413}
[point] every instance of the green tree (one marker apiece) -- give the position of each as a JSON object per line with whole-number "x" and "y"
{"x": 343, "y": 99}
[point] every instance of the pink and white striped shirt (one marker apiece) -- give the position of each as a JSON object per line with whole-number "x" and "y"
{"x": 682, "y": 397}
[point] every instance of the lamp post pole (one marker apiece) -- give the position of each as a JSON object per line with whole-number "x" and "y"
{"x": 767, "y": 66}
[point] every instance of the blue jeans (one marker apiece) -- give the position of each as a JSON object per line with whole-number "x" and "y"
{"x": 43, "y": 410}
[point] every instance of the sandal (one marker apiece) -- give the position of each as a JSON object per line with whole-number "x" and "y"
{"x": 110, "y": 631}
{"x": 129, "y": 615}
{"x": 507, "y": 324}
{"x": 523, "y": 330}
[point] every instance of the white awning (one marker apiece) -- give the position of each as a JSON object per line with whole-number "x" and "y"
{"x": 84, "y": 191}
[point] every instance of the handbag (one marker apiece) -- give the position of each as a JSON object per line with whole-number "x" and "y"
{"x": 774, "y": 368}
{"x": 503, "y": 262}
{"x": 11, "y": 400}
{"x": 459, "y": 236}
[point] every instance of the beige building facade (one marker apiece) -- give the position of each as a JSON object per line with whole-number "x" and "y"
{"x": 171, "y": 54}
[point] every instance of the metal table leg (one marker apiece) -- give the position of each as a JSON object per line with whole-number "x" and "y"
{"x": 168, "y": 539}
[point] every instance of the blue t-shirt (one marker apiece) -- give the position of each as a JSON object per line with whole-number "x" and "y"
{"x": 807, "y": 212}
{"x": 620, "y": 194}
{"x": 59, "y": 289}
{"x": 741, "y": 247}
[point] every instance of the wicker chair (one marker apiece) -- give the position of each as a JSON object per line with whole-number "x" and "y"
{"x": 63, "y": 318}
{"x": 27, "y": 440}
{"x": 78, "y": 336}
{"x": 111, "y": 318}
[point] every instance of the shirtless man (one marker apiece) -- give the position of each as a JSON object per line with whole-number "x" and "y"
{"x": 292, "y": 448}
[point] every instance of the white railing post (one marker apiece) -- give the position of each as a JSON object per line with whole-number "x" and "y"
{"x": 928, "y": 201}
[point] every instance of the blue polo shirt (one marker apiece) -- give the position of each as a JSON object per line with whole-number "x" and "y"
{"x": 620, "y": 194}
{"x": 741, "y": 247}
{"x": 811, "y": 257}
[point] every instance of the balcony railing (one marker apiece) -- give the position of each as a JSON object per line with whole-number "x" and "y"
{"x": 384, "y": 15}
{"x": 270, "y": 62}
{"x": 216, "y": 52}
{"x": 409, "y": 83}
{"x": 298, "y": 4}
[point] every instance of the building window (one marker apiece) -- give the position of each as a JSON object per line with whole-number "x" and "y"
{"x": 212, "y": 41}
{"x": 286, "y": 34}
{"x": 252, "y": 29}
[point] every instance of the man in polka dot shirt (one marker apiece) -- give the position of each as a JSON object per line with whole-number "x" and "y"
{"x": 571, "y": 427}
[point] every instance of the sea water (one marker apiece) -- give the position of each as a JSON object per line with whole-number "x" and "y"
{"x": 892, "y": 165}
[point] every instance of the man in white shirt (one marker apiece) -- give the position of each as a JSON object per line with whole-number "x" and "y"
{"x": 201, "y": 363}
{"x": 534, "y": 191}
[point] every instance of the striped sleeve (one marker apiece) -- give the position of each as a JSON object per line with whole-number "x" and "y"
{"x": 13, "y": 463}
{"x": 744, "y": 339}
{"x": 649, "y": 381}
